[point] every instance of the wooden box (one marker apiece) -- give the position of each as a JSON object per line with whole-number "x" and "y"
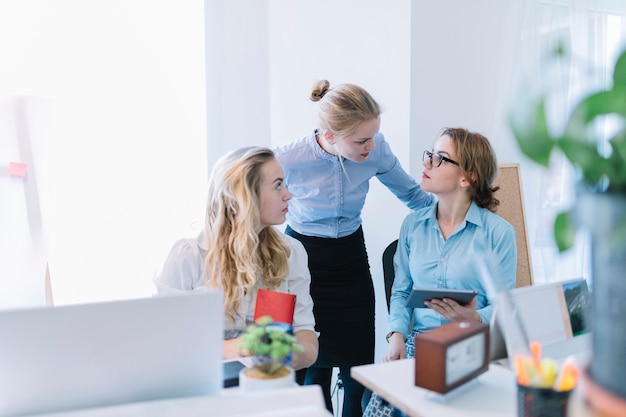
{"x": 451, "y": 355}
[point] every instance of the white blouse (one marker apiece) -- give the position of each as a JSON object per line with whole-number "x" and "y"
{"x": 183, "y": 270}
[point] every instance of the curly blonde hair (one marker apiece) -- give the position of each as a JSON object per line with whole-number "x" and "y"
{"x": 239, "y": 252}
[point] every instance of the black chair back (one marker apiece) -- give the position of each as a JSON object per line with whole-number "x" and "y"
{"x": 388, "y": 271}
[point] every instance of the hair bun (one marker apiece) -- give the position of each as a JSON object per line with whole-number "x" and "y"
{"x": 319, "y": 90}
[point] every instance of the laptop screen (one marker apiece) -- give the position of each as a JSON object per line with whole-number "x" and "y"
{"x": 99, "y": 354}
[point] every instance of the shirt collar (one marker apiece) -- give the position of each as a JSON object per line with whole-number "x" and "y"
{"x": 317, "y": 148}
{"x": 472, "y": 216}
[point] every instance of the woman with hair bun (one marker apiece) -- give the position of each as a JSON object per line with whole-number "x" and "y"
{"x": 328, "y": 173}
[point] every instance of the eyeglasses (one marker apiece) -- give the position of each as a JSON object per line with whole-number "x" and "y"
{"x": 436, "y": 159}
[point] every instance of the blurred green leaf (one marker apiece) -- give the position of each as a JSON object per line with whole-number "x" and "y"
{"x": 584, "y": 156}
{"x": 532, "y": 135}
{"x": 579, "y": 142}
{"x": 564, "y": 230}
{"x": 594, "y": 105}
{"x": 619, "y": 73}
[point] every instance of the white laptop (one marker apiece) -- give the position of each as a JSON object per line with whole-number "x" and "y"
{"x": 553, "y": 315}
{"x": 99, "y": 354}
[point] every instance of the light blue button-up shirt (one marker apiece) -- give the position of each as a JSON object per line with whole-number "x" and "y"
{"x": 327, "y": 202}
{"x": 425, "y": 260}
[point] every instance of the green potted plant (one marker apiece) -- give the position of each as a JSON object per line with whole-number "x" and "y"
{"x": 600, "y": 209}
{"x": 270, "y": 346}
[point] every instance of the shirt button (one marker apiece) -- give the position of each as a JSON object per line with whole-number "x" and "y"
{"x": 443, "y": 259}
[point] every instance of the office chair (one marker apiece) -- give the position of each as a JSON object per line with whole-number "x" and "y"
{"x": 388, "y": 271}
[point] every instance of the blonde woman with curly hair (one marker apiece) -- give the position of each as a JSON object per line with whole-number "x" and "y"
{"x": 239, "y": 251}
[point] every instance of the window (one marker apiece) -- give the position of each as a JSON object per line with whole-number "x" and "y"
{"x": 591, "y": 33}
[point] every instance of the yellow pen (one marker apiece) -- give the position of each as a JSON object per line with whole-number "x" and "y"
{"x": 548, "y": 369}
{"x": 568, "y": 376}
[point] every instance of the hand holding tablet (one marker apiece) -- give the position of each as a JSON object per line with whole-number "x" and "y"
{"x": 419, "y": 295}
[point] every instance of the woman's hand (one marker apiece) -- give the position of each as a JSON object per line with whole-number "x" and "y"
{"x": 396, "y": 349}
{"x": 230, "y": 349}
{"x": 308, "y": 340}
{"x": 452, "y": 310}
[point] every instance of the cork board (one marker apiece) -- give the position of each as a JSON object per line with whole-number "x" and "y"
{"x": 511, "y": 208}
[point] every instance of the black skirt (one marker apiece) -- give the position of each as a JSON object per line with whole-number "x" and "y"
{"x": 343, "y": 298}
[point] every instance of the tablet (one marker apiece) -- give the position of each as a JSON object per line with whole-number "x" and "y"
{"x": 419, "y": 295}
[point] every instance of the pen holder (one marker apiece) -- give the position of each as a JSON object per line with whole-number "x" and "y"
{"x": 541, "y": 402}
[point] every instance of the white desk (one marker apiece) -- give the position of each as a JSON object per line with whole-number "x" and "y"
{"x": 305, "y": 401}
{"x": 492, "y": 394}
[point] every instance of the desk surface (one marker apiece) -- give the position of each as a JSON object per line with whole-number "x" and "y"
{"x": 492, "y": 394}
{"x": 297, "y": 401}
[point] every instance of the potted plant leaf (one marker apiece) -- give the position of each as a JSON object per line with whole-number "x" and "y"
{"x": 600, "y": 209}
{"x": 270, "y": 346}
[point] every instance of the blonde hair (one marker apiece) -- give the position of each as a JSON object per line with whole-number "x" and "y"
{"x": 238, "y": 254}
{"x": 478, "y": 163}
{"x": 344, "y": 107}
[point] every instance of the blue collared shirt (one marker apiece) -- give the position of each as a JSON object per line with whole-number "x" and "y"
{"x": 425, "y": 259}
{"x": 327, "y": 202}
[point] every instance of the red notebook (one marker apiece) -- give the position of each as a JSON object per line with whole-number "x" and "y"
{"x": 278, "y": 305}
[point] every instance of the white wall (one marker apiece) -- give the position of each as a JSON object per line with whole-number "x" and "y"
{"x": 237, "y": 75}
{"x": 461, "y": 69}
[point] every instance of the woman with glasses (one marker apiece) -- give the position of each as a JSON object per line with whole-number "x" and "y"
{"x": 435, "y": 244}
{"x": 328, "y": 173}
